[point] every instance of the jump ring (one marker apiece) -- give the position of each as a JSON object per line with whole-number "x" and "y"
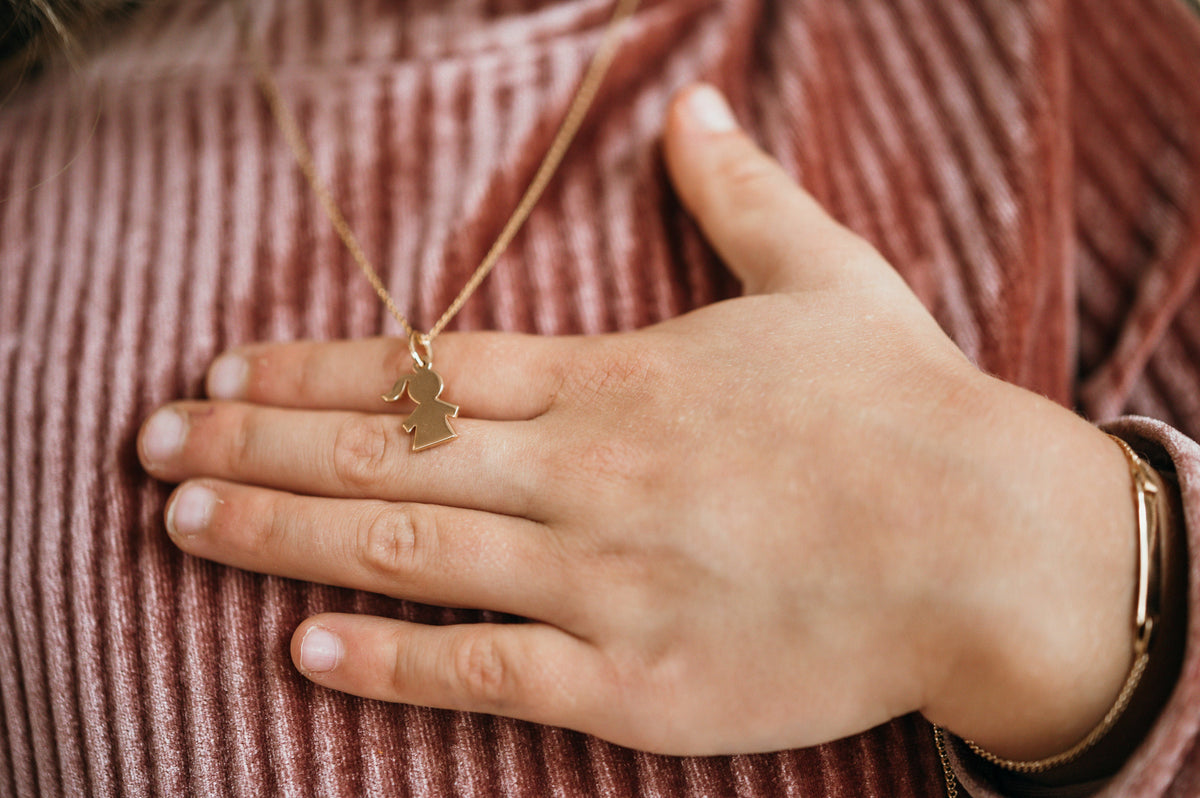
{"x": 421, "y": 349}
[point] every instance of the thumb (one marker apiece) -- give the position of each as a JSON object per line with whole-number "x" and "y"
{"x": 770, "y": 232}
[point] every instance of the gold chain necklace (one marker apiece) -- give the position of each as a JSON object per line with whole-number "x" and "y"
{"x": 429, "y": 422}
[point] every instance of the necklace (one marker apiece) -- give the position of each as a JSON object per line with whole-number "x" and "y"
{"x": 429, "y": 423}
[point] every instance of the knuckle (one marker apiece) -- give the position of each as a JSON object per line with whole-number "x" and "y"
{"x": 254, "y": 524}
{"x": 404, "y": 667}
{"x": 745, "y": 177}
{"x": 610, "y": 382}
{"x": 362, "y": 449}
{"x": 240, "y": 451}
{"x": 394, "y": 540}
{"x": 270, "y": 529}
{"x": 617, "y": 372}
{"x": 600, "y": 468}
{"x": 607, "y": 460}
{"x": 482, "y": 671}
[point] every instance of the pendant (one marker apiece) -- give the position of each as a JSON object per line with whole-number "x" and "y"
{"x": 429, "y": 423}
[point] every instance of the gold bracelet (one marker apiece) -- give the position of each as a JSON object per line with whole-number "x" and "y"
{"x": 1146, "y": 492}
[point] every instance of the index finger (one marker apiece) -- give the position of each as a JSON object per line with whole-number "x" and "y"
{"x": 489, "y": 375}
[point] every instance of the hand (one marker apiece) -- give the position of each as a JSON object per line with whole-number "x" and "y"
{"x": 771, "y": 522}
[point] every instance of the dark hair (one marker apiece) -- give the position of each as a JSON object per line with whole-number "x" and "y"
{"x": 32, "y": 32}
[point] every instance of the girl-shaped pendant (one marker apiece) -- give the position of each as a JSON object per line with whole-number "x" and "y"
{"x": 429, "y": 423}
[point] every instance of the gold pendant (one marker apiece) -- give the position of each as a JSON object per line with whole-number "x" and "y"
{"x": 429, "y": 424}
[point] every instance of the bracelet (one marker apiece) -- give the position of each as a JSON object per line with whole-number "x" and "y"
{"x": 1146, "y": 493}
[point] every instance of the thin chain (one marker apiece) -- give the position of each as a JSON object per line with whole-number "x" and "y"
{"x": 1084, "y": 745}
{"x": 1146, "y": 492}
{"x": 939, "y": 738}
{"x": 588, "y": 87}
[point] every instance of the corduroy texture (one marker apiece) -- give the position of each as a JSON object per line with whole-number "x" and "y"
{"x": 1032, "y": 169}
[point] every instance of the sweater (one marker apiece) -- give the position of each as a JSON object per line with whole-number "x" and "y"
{"x": 1031, "y": 169}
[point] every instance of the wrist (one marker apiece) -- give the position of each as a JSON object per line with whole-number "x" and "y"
{"x": 1039, "y": 641}
{"x": 1161, "y": 637}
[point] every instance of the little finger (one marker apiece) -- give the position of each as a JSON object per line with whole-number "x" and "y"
{"x": 530, "y": 671}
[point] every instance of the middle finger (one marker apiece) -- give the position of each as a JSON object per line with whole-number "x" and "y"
{"x": 342, "y": 454}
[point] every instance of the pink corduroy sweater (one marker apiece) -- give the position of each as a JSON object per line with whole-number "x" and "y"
{"x": 1032, "y": 169}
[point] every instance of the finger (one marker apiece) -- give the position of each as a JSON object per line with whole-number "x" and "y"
{"x": 771, "y": 233}
{"x": 489, "y": 375}
{"x": 428, "y": 553}
{"x": 530, "y": 671}
{"x": 342, "y": 454}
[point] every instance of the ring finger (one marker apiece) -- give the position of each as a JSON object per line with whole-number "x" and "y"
{"x": 341, "y": 454}
{"x": 427, "y": 553}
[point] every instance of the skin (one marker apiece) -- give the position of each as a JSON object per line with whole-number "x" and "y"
{"x": 769, "y": 523}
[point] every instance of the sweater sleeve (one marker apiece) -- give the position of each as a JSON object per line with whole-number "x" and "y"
{"x": 1166, "y": 762}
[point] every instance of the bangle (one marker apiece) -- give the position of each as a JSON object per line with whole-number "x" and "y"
{"x": 1146, "y": 493}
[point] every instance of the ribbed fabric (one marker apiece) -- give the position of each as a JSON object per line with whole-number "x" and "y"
{"x": 1032, "y": 169}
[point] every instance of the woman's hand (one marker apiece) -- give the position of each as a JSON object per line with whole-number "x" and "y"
{"x": 769, "y": 523}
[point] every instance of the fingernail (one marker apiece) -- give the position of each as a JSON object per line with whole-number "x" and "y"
{"x": 227, "y": 377}
{"x": 164, "y": 436}
{"x": 320, "y": 650}
{"x": 191, "y": 511}
{"x": 710, "y": 110}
